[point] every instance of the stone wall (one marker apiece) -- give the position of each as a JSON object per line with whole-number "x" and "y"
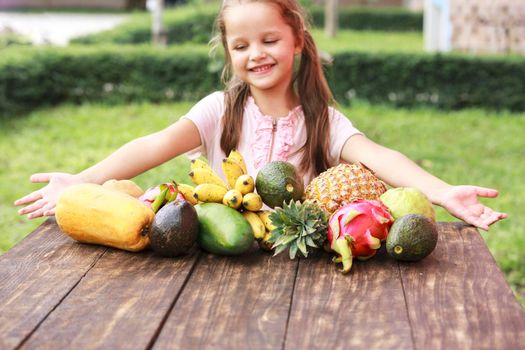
{"x": 488, "y": 26}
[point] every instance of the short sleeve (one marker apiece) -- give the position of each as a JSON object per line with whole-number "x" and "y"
{"x": 206, "y": 115}
{"x": 341, "y": 129}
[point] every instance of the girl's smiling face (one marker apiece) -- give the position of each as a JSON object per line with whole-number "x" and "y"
{"x": 261, "y": 46}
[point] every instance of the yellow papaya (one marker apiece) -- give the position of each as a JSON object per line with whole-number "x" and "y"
{"x": 94, "y": 214}
{"x": 126, "y": 186}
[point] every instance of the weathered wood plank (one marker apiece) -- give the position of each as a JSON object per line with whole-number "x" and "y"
{"x": 48, "y": 245}
{"x": 232, "y": 303}
{"x": 457, "y": 298}
{"x": 35, "y": 276}
{"x": 119, "y": 304}
{"x": 364, "y": 309}
{"x": 56, "y": 293}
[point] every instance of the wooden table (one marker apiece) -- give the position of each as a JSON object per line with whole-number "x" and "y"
{"x": 59, "y": 294}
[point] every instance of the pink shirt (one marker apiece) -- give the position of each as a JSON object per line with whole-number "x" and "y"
{"x": 288, "y": 133}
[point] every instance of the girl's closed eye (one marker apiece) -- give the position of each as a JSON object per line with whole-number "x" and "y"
{"x": 239, "y": 47}
{"x": 271, "y": 41}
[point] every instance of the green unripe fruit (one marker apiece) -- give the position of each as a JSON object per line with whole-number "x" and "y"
{"x": 402, "y": 201}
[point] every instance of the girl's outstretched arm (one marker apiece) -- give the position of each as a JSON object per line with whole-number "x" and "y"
{"x": 130, "y": 160}
{"x": 397, "y": 170}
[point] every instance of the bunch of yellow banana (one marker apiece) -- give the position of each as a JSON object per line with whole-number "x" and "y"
{"x": 262, "y": 227}
{"x": 210, "y": 187}
{"x": 237, "y": 193}
{"x": 187, "y": 192}
{"x": 240, "y": 184}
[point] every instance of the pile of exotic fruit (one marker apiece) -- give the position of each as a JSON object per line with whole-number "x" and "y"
{"x": 346, "y": 210}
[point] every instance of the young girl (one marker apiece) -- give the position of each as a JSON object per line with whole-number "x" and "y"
{"x": 270, "y": 110}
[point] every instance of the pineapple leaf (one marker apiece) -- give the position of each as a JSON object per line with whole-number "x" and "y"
{"x": 310, "y": 242}
{"x": 309, "y": 230}
{"x": 302, "y": 247}
{"x": 279, "y": 249}
{"x": 293, "y": 251}
{"x": 298, "y": 227}
{"x": 284, "y": 240}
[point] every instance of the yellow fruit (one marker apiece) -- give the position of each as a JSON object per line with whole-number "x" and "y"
{"x": 244, "y": 184}
{"x": 187, "y": 192}
{"x": 343, "y": 184}
{"x": 232, "y": 171}
{"x": 126, "y": 186}
{"x": 265, "y": 217}
{"x": 206, "y": 176}
{"x": 265, "y": 243}
{"x": 252, "y": 201}
{"x": 198, "y": 163}
{"x": 256, "y": 224}
{"x": 209, "y": 193}
{"x": 93, "y": 214}
{"x": 238, "y": 158}
{"x": 232, "y": 199}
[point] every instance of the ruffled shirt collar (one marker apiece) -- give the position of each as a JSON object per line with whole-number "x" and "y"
{"x": 283, "y": 137}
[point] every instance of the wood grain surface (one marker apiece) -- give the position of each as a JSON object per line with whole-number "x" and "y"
{"x": 59, "y": 294}
{"x": 457, "y": 298}
{"x": 364, "y": 309}
{"x": 119, "y": 304}
{"x": 35, "y": 276}
{"x": 233, "y": 303}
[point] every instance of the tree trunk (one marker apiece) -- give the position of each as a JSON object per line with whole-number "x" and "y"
{"x": 157, "y": 29}
{"x": 330, "y": 18}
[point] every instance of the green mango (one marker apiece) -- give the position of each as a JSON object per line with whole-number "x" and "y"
{"x": 223, "y": 230}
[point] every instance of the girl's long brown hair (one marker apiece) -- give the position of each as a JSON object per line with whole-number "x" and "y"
{"x": 310, "y": 83}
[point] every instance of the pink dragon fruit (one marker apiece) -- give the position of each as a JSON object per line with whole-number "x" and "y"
{"x": 151, "y": 197}
{"x": 357, "y": 229}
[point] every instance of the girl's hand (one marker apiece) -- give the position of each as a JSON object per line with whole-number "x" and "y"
{"x": 463, "y": 203}
{"x": 44, "y": 200}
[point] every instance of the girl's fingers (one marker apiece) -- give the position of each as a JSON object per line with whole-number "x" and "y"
{"x": 33, "y": 196}
{"x": 488, "y": 218}
{"x": 33, "y": 207}
{"x": 41, "y": 177}
{"x": 482, "y": 225}
{"x": 42, "y": 211}
{"x": 486, "y": 192}
{"x": 478, "y": 222}
{"x": 50, "y": 212}
{"x": 35, "y": 214}
{"x": 36, "y": 195}
{"x": 495, "y": 217}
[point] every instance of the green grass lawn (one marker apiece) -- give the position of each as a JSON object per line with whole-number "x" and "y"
{"x": 369, "y": 41}
{"x": 466, "y": 147}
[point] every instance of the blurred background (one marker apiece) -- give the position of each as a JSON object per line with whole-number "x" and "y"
{"x": 443, "y": 81}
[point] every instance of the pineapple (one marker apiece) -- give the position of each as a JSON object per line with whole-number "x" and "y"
{"x": 344, "y": 184}
{"x": 298, "y": 227}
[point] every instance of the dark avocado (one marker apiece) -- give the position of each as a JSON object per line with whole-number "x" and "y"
{"x": 279, "y": 182}
{"x": 174, "y": 229}
{"x": 412, "y": 237}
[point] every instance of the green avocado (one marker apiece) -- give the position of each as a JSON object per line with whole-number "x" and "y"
{"x": 174, "y": 229}
{"x": 223, "y": 230}
{"x": 279, "y": 182}
{"x": 412, "y": 237}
